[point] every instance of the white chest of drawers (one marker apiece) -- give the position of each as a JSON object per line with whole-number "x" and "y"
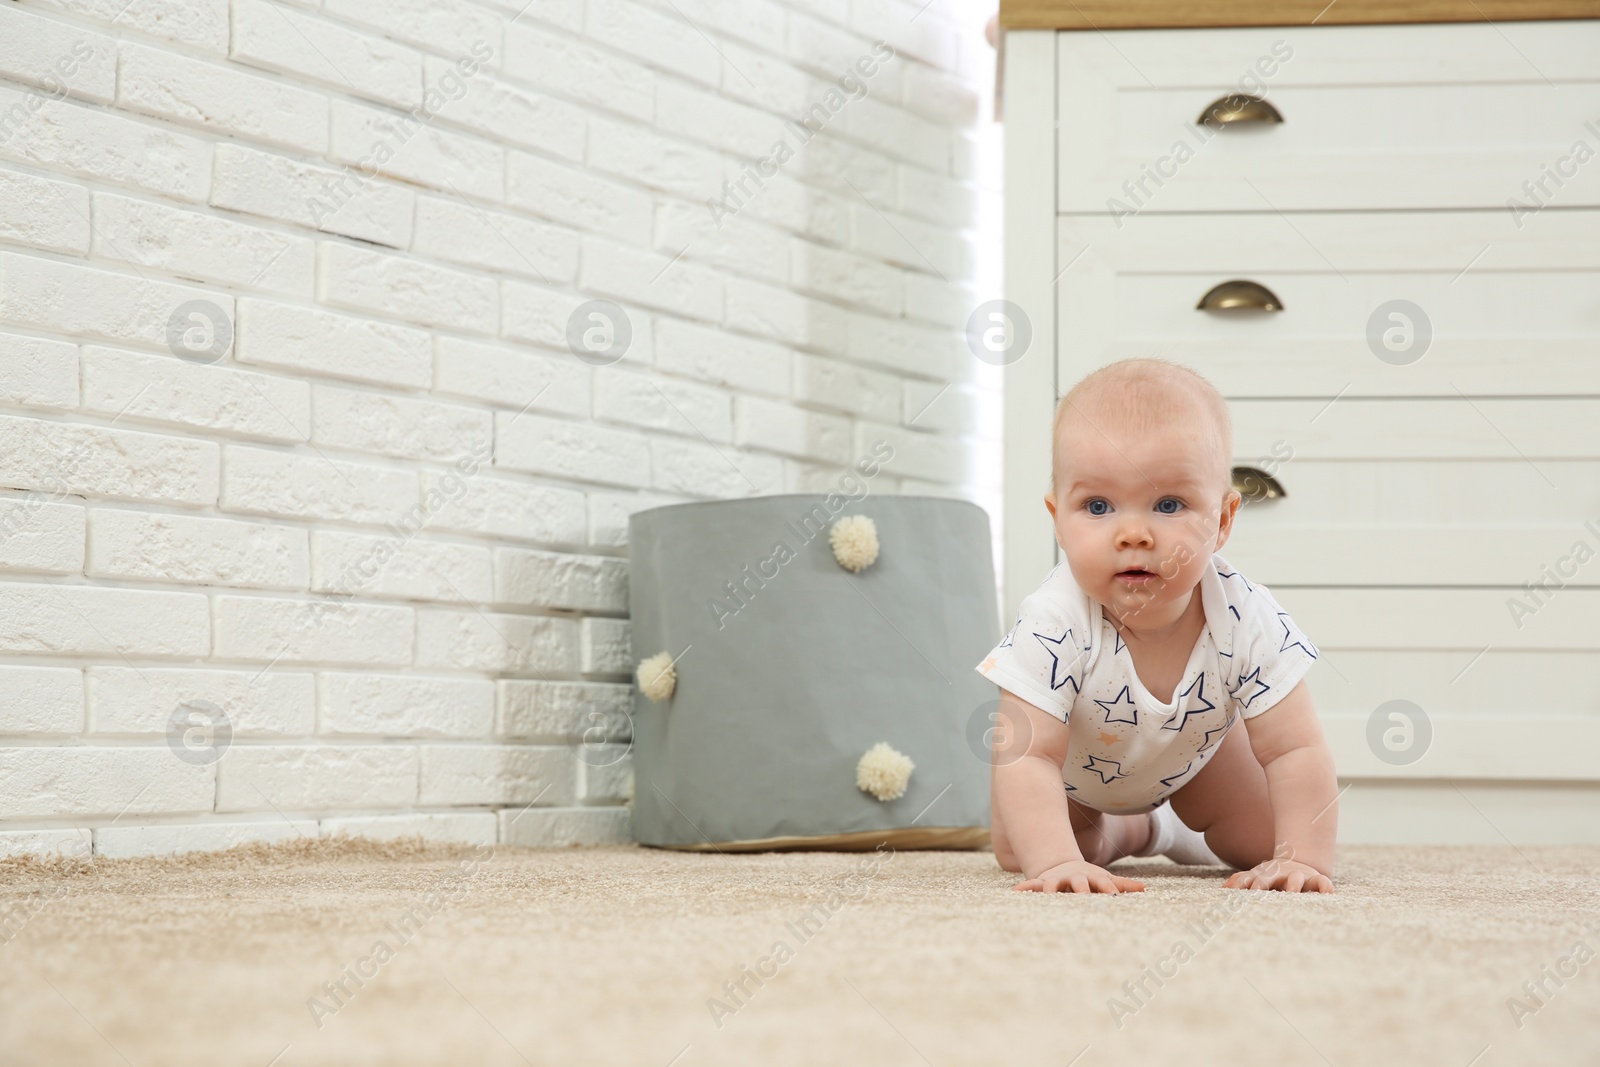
{"x": 1416, "y": 211}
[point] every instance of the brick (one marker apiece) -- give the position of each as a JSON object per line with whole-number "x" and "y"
{"x": 496, "y": 774}
{"x": 404, "y": 705}
{"x": 756, "y": 21}
{"x": 920, "y": 455}
{"x": 43, "y": 213}
{"x": 659, "y": 38}
{"x": 487, "y": 641}
{"x": 221, "y": 99}
{"x": 202, "y": 24}
{"x": 61, "y": 458}
{"x": 404, "y": 288}
{"x": 203, "y": 247}
{"x": 413, "y": 569}
{"x": 910, "y": 347}
{"x": 573, "y": 450}
{"x": 938, "y": 301}
{"x": 403, "y": 147}
{"x": 332, "y": 200}
{"x": 141, "y": 701}
{"x": 766, "y": 80}
{"x": 319, "y": 631}
{"x": 100, "y": 303}
{"x": 38, "y": 373}
{"x": 605, "y": 774}
{"x": 567, "y": 14}
{"x": 41, "y": 700}
{"x": 464, "y": 233}
{"x": 699, "y": 469}
{"x": 275, "y": 37}
{"x": 609, "y": 513}
{"x": 778, "y": 313}
{"x": 40, "y": 535}
{"x": 722, "y": 358}
{"x": 564, "y": 65}
{"x": 847, "y": 387}
{"x": 74, "y": 842}
{"x": 713, "y": 120}
{"x": 741, "y": 245}
{"x": 953, "y": 410}
{"x": 306, "y": 485}
{"x": 317, "y": 777}
{"x": 452, "y": 828}
{"x": 893, "y": 131}
{"x": 528, "y": 578}
{"x": 846, "y": 168}
{"x": 606, "y": 646}
{"x": 909, "y": 243}
{"x": 100, "y": 144}
{"x": 319, "y": 342}
{"x": 662, "y": 404}
{"x": 398, "y": 426}
{"x": 658, "y": 162}
{"x": 509, "y": 377}
{"x": 847, "y": 278}
{"x": 937, "y": 198}
{"x": 924, "y": 39}
{"x": 650, "y": 279}
{"x": 195, "y": 549}
{"x": 508, "y": 113}
{"x": 541, "y": 316}
{"x": 554, "y": 712}
{"x": 504, "y": 507}
{"x": 450, "y": 26}
{"x": 577, "y": 197}
{"x": 563, "y": 827}
{"x": 793, "y": 431}
{"x": 58, "y": 57}
{"x": 937, "y": 96}
{"x": 127, "y": 842}
{"x": 93, "y": 781}
{"x": 162, "y": 389}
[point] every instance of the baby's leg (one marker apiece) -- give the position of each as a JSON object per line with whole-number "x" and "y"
{"x": 1102, "y": 837}
{"x": 1229, "y": 803}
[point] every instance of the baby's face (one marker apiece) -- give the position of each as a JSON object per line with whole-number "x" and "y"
{"x": 1139, "y": 513}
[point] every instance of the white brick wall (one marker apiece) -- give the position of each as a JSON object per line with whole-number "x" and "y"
{"x": 294, "y": 450}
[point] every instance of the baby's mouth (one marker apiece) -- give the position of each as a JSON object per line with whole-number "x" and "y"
{"x": 1136, "y": 574}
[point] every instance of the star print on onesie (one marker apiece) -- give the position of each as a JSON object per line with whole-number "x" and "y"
{"x": 1126, "y": 750}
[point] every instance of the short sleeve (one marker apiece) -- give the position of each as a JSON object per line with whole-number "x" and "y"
{"x": 1271, "y": 653}
{"x": 1045, "y": 656}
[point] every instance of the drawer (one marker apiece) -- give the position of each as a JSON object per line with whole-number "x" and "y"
{"x": 1419, "y": 116}
{"x": 1431, "y": 492}
{"x": 1503, "y": 311}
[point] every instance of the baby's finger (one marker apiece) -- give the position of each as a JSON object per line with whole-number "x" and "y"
{"x": 1322, "y": 884}
{"x": 1080, "y": 884}
{"x": 1294, "y": 882}
{"x": 1032, "y": 885}
{"x": 1239, "y": 881}
{"x": 1128, "y": 885}
{"x": 1103, "y": 883}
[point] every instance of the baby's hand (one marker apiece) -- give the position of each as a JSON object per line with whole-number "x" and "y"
{"x": 1079, "y": 876}
{"x": 1291, "y": 876}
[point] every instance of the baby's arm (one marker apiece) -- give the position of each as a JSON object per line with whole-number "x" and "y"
{"x": 1031, "y": 808}
{"x": 1302, "y": 784}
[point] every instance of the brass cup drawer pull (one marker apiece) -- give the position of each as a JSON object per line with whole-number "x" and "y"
{"x": 1238, "y": 109}
{"x": 1255, "y": 484}
{"x": 1239, "y": 293}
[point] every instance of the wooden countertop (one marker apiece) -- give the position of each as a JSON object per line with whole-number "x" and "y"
{"x": 1173, "y": 14}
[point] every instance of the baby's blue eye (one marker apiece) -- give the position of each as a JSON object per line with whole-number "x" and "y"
{"x": 1169, "y": 505}
{"x": 1098, "y": 506}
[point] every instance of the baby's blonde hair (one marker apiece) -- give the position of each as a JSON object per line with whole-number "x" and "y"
{"x": 1144, "y": 393}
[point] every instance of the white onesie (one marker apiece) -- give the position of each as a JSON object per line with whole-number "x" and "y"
{"x": 1128, "y": 751}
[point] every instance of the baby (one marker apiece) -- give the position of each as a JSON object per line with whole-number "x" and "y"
{"x": 1146, "y": 676}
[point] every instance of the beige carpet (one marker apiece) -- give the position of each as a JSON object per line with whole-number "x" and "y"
{"x": 610, "y": 956}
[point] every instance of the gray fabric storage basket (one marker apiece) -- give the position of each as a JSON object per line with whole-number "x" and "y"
{"x": 757, "y": 746}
